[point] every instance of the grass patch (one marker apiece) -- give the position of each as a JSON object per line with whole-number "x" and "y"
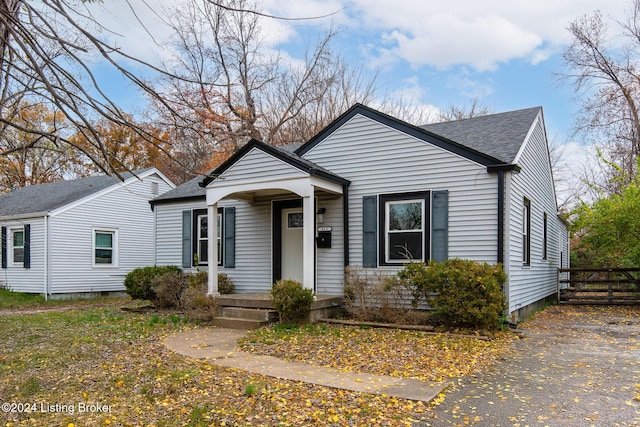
{"x": 399, "y": 353}
{"x": 13, "y": 300}
{"x": 104, "y": 356}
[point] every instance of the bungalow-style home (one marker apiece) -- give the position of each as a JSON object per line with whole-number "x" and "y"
{"x": 373, "y": 191}
{"x": 80, "y": 236}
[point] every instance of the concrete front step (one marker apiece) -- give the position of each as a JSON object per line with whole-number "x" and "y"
{"x": 237, "y": 323}
{"x": 250, "y": 313}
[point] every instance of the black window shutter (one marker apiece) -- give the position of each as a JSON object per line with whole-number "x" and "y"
{"x": 229, "y": 234}
{"x": 3, "y": 239}
{"x": 440, "y": 226}
{"x": 27, "y": 246}
{"x": 186, "y": 239}
{"x": 370, "y": 231}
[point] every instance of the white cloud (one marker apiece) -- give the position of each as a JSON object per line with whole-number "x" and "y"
{"x": 469, "y": 32}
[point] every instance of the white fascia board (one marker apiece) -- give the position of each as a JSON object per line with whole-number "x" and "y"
{"x": 116, "y": 185}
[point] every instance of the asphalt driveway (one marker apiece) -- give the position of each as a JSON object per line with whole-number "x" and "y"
{"x": 573, "y": 366}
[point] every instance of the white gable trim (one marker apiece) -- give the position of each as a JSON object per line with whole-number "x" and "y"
{"x": 528, "y": 137}
{"x": 116, "y": 185}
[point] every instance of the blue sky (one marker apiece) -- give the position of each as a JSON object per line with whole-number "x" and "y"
{"x": 440, "y": 54}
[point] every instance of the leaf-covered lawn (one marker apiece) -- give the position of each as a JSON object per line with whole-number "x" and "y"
{"x": 112, "y": 364}
{"x": 407, "y": 354}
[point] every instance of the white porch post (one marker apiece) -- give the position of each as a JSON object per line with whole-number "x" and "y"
{"x": 308, "y": 241}
{"x": 212, "y": 242}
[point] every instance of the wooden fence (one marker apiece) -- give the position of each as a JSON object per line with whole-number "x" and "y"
{"x": 611, "y": 286}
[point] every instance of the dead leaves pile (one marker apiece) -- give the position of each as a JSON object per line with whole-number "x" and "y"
{"x": 64, "y": 361}
{"x": 405, "y": 354}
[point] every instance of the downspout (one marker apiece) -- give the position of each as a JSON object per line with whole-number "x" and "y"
{"x": 345, "y": 222}
{"x": 46, "y": 257}
{"x": 501, "y": 213}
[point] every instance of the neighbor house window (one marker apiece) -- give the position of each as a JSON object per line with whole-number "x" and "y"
{"x": 404, "y": 221}
{"x": 526, "y": 232}
{"x": 104, "y": 248}
{"x": 545, "y": 240}
{"x": 17, "y": 246}
{"x": 201, "y": 243}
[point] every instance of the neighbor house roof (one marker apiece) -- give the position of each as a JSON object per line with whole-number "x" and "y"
{"x": 44, "y": 198}
{"x": 497, "y": 135}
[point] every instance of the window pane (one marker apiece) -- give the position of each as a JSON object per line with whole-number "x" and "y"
{"x": 203, "y": 251}
{"x": 204, "y": 227}
{"x": 104, "y": 256}
{"x": 295, "y": 220}
{"x": 405, "y": 216}
{"x": 18, "y": 238}
{"x": 405, "y": 246}
{"x": 18, "y": 255}
{"x": 104, "y": 240}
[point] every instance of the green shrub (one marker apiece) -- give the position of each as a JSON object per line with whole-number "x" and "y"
{"x": 463, "y": 292}
{"x": 138, "y": 281}
{"x": 291, "y": 300}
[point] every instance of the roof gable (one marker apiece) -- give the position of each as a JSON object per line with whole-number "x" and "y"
{"x": 44, "y": 198}
{"x": 421, "y": 133}
{"x": 288, "y": 158}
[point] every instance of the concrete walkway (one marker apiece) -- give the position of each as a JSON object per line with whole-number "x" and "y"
{"x": 219, "y": 345}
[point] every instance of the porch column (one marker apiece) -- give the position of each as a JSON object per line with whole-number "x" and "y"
{"x": 308, "y": 241}
{"x": 212, "y": 243}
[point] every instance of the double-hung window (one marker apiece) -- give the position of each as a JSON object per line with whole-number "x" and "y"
{"x": 526, "y": 232}
{"x": 404, "y": 227}
{"x": 17, "y": 246}
{"x": 104, "y": 248}
{"x": 201, "y": 234}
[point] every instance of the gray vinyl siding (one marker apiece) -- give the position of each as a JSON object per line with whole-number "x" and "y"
{"x": 257, "y": 165}
{"x": 330, "y": 261}
{"x": 378, "y": 159}
{"x": 20, "y": 279}
{"x": 252, "y": 271}
{"x": 71, "y": 234}
{"x": 169, "y": 230}
{"x": 528, "y": 284}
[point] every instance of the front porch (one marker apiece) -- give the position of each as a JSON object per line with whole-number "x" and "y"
{"x": 254, "y": 310}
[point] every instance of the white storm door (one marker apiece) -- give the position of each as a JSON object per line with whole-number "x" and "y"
{"x": 292, "y": 248}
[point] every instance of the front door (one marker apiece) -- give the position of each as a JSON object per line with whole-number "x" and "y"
{"x": 292, "y": 249}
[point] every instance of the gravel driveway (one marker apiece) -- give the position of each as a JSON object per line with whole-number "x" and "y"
{"x": 573, "y": 366}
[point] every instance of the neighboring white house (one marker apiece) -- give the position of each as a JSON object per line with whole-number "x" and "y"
{"x": 368, "y": 190}
{"x": 78, "y": 236}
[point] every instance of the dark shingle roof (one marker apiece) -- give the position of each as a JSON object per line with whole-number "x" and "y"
{"x": 47, "y": 197}
{"x": 497, "y": 135}
{"x": 187, "y": 190}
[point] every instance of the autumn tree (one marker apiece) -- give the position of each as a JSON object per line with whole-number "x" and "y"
{"x": 607, "y": 74}
{"x": 32, "y": 158}
{"x": 47, "y": 50}
{"x": 125, "y": 149}
{"x": 233, "y": 88}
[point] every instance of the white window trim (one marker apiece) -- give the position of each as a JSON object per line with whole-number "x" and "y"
{"x": 219, "y": 219}
{"x": 389, "y": 260}
{"x": 10, "y": 259}
{"x": 114, "y": 248}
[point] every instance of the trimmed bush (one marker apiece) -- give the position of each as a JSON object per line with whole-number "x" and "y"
{"x": 463, "y": 292}
{"x": 291, "y": 300}
{"x": 138, "y": 281}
